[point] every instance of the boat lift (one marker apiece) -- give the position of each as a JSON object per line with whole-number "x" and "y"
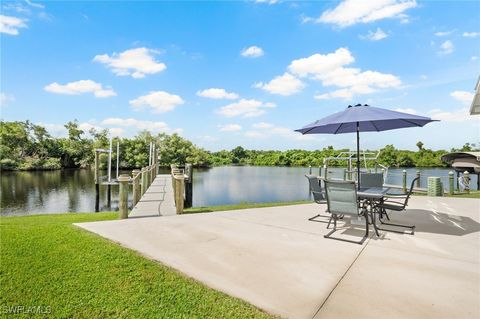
{"x": 351, "y": 158}
{"x": 107, "y": 179}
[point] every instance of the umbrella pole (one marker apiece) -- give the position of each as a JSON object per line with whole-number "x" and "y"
{"x": 358, "y": 155}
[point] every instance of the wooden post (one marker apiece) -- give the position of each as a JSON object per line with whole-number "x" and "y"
{"x": 109, "y": 195}
{"x": 97, "y": 182}
{"x": 143, "y": 184}
{"x": 418, "y": 180}
{"x": 123, "y": 196}
{"x": 136, "y": 187}
{"x": 310, "y": 169}
{"x": 344, "y": 174}
{"x": 450, "y": 183}
{"x": 189, "y": 185}
{"x": 466, "y": 181}
{"x": 404, "y": 181}
{"x": 319, "y": 171}
{"x": 179, "y": 187}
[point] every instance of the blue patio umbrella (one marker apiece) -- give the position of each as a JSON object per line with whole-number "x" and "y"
{"x": 363, "y": 118}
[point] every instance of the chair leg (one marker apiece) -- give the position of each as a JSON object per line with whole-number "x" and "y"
{"x": 335, "y": 217}
{"x": 314, "y": 218}
{"x": 329, "y": 222}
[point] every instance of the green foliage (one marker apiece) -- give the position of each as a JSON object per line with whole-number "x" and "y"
{"x": 28, "y": 146}
{"x": 47, "y": 261}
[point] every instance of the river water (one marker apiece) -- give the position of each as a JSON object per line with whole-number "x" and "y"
{"x": 25, "y": 193}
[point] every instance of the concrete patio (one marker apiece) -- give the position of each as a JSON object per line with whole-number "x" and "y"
{"x": 279, "y": 261}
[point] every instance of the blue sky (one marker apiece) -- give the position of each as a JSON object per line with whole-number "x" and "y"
{"x": 245, "y": 73}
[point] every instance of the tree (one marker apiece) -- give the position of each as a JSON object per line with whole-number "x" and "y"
{"x": 419, "y": 145}
{"x": 238, "y": 155}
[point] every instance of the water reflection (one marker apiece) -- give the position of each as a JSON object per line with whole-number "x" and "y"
{"x": 74, "y": 190}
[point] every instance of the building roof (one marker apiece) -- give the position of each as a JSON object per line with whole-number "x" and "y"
{"x": 457, "y": 155}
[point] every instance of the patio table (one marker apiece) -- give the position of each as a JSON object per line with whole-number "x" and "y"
{"x": 372, "y": 195}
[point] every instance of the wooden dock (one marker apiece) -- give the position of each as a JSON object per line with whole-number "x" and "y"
{"x": 158, "y": 200}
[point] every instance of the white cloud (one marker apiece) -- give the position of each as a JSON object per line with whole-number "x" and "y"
{"x": 116, "y": 131}
{"x": 471, "y": 34}
{"x": 10, "y": 25}
{"x": 80, "y": 87}
{"x": 230, "y": 128}
{"x": 346, "y": 94}
{"x": 379, "y": 34}
{"x": 86, "y": 127}
{"x": 252, "y": 52}
{"x": 473, "y": 58}
{"x": 254, "y": 134}
{"x": 446, "y": 47}
{"x": 216, "y": 93}
{"x": 406, "y": 110}
{"x": 443, "y": 33}
{"x": 245, "y": 108}
{"x": 331, "y": 71}
{"x": 159, "y": 101}
{"x": 35, "y": 5}
{"x": 134, "y": 62}
{"x": 262, "y": 125}
{"x": 271, "y": 130}
{"x": 321, "y": 63}
{"x": 306, "y": 19}
{"x": 5, "y": 99}
{"x": 266, "y": 1}
{"x": 350, "y": 12}
{"x": 463, "y": 96}
{"x": 285, "y": 84}
{"x": 137, "y": 124}
{"x": 458, "y": 115}
{"x": 423, "y": 77}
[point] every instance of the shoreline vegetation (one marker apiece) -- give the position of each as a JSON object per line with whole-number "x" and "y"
{"x": 28, "y": 146}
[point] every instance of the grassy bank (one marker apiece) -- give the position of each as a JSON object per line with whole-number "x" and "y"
{"x": 48, "y": 262}
{"x": 220, "y": 208}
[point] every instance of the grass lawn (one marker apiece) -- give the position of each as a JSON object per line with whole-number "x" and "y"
{"x": 46, "y": 261}
{"x": 240, "y": 206}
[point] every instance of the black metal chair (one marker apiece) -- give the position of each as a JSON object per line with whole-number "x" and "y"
{"x": 342, "y": 201}
{"x": 396, "y": 203}
{"x": 371, "y": 179}
{"x": 315, "y": 186}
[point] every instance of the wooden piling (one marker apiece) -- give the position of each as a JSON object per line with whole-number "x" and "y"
{"x": 404, "y": 181}
{"x": 144, "y": 185}
{"x": 123, "y": 196}
{"x": 418, "y": 180}
{"x": 188, "y": 185}
{"x": 136, "y": 191}
{"x": 109, "y": 195}
{"x": 179, "y": 188}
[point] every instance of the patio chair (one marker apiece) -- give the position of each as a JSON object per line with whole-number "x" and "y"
{"x": 399, "y": 204}
{"x": 315, "y": 186}
{"x": 371, "y": 179}
{"x": 342, "y": 200}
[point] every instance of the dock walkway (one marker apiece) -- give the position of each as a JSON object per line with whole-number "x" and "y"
{"x": 158, "y": 200}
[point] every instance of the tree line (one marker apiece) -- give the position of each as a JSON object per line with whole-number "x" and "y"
{"x": 28, "y": 146}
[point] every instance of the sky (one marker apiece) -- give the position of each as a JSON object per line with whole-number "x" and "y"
{"x": 229, "y": 73}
